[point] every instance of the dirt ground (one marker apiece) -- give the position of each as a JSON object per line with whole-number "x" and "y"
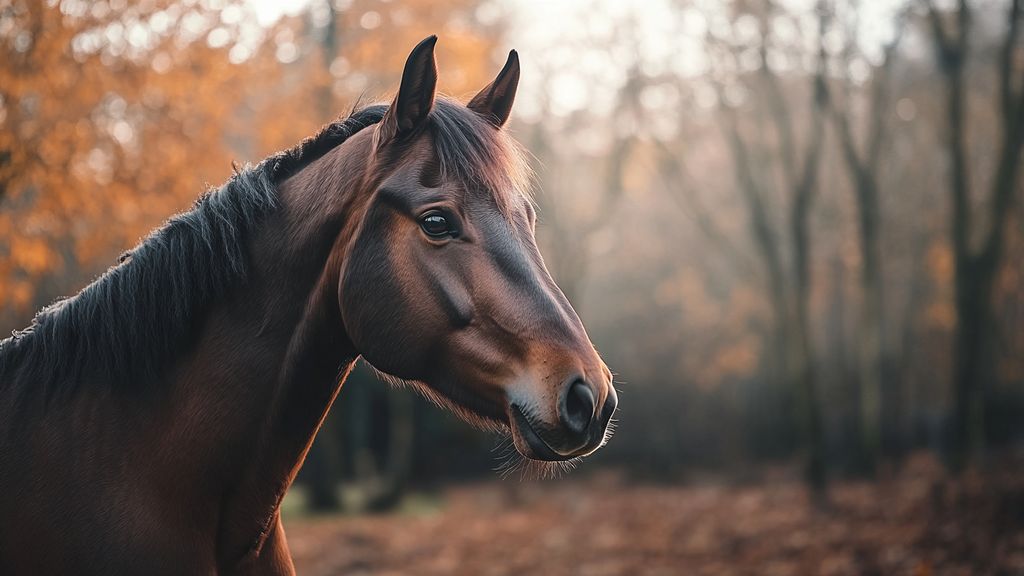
{"x": 918, "y": 523}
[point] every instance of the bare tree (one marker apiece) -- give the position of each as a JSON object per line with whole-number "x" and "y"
{"x": 976, "y": 267}
{"x": 863, "y": 162}
{"x": 797, "y": 165}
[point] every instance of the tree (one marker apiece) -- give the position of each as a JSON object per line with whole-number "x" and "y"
{"x": 80, "y": 109}
{"x": 976, "y": 264}
{"x": 863, "y": 166}
{"x": 797, "y": 168}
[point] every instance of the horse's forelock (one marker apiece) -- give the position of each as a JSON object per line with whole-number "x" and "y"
{"x": 483, "y": 158}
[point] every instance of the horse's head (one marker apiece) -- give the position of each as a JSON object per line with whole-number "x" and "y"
{"x": 443, "y": 284}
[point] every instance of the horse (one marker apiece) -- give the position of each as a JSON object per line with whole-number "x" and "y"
{"x": 152, "y": 423}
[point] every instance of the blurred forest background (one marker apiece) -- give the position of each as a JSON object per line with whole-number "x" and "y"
{"x": 794, "y": 229}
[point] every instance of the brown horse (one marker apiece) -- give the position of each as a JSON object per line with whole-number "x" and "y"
{"x": 152, "y": 423}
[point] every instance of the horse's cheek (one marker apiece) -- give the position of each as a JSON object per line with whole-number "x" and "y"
{"x": 375, "y": 314}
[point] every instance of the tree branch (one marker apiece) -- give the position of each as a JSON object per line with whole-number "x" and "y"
{"x": 952, "y": 55}
{"x": 680, "y": 184}
{"x": 1010, "y": 110}
{"x": 1005, "y": 183}
{"x": 881, "y": 92}
{"x": 780, "y": 110}
{"x": 763, "y": 232}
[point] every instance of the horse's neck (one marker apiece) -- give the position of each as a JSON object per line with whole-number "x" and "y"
{"x": 290, "y": 363}
{"x": 317, "y": 359}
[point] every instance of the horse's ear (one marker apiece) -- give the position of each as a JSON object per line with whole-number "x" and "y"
{"x": 415, "y": 95}
{"x": 494, "y": 102}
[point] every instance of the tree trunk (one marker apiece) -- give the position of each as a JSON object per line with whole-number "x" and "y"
{"x": 971, "y": 355}
{"x": 397, "y": 463}
{"x": 321, "y": 470}
{"x": 802, "y": 353}
{"x": 871, "y": 328}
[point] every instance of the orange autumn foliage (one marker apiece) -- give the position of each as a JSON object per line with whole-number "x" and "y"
{"x": 113, "y": 116}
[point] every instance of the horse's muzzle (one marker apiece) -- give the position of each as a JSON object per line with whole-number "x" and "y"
{"x": 581, "y": 427}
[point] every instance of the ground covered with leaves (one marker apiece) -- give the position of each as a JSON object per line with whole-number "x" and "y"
{"x": 918, "y": 523}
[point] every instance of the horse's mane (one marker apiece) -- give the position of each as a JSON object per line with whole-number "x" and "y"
{"x": 135, "y": 319}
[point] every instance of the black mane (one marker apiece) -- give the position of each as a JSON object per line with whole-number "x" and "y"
{"x": 129, "y": 323}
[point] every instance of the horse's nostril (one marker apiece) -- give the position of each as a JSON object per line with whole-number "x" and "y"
{"x": 579, "y": 407}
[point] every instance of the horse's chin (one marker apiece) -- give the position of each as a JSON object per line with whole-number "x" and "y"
{"x": 532, "y": 457}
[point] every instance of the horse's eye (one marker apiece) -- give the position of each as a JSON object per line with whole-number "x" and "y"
{"x": 435, "y": 225}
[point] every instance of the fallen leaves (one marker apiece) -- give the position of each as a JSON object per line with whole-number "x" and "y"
{"x": 919, "y": 523}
